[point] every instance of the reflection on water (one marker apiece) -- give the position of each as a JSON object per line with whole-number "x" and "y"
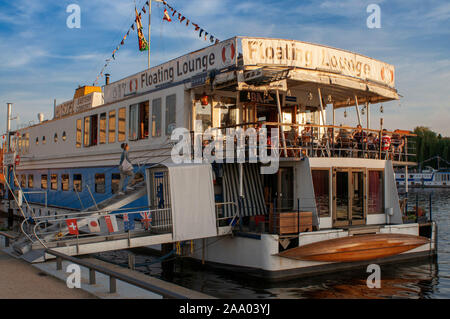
{"x": 420, "y": 279}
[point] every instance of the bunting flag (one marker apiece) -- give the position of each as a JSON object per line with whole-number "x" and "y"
{"x": 94, "y": 226}
{"x": 72, "y": 225}
{"x": 143, "y": 44}
{"x": 166, "y": 16}
{"x": 111, "y": 223}
{"x": 128, "y": 224}
{"x": 146, "y": 219}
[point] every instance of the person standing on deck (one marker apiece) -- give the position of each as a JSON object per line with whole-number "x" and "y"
{"x": 125, "y": 168}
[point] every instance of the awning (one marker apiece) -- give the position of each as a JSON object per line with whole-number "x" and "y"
{"x": 252, "y": 203}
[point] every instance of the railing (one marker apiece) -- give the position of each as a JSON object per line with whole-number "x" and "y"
{"x": 51, "y": 229}
{"x": 7, "y": 237}
{"x": 312, "y": 140}
{"x": 221, "y": 219}
{"x": 113, "y": 276}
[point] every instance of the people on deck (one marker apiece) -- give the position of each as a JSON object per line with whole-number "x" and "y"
{"x": 125, "y": 168}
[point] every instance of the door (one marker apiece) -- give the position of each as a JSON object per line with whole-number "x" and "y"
{"x": 349, "y": 197}
{"x": 285, "y": 189}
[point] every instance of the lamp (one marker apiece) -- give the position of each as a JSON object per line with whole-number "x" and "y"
{"x": 204, "y": 100}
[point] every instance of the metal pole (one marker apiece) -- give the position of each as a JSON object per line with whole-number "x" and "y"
{"x": 431, "y": 219}
{"x": 149, "y": 26}
{"x": 8, "y": 149}
{"x": 357, "y": 110}
{"x": 368, "y": 114}
{"x": 280, "y": 116}
{"x": 322, "y": 113}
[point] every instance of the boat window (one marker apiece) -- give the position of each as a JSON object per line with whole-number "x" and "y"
{"x": 37, "y": 140}
{"x": 90, "y": 130}
{"x": 77, "y": 183}
{"x": 78, "y": 134}
{"x": 64, "y": 136}
{"x": 133, "y": 123}
{"x": 23, "y": 181}
{"x": 115, "y": 179}
{"x": 171, "y": 113}
{"x": 112, "y": 127}
{"x": 143, "y": 119}
{"x": 54, "y": 182}
{"x": 203, "y": 113}
{"x": 156, "y": 117}
{"x": 225, "y": 111}
{"x": 44, "y": 181}
{"x": 43, "y": 139}
{"x": 30, "y": 181}
{"x": 99, "y": 183}
{"x": 122, "y": 124}
{"x": 102, "y": 135}
{"x": 321, "y": 184}
{"x": 87, "y": 129}
{"x": 55, "y": 137}
{"x": 26, "y": 138}
{"x": 375, "y": 202}
{"x": 65, "y": 182}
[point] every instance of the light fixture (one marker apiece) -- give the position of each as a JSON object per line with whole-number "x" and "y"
{"x": 310, "y": 96}
{"x": 381, "y": 109}
{"x": 329, "y": 98}
{"x": 204, "y": 100}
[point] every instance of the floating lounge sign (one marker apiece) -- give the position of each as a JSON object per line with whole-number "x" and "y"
{"x": 316, "y": 57}
{"x": 215, "y": 57}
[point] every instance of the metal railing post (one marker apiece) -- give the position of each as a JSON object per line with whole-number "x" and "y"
{"x": 431, "y": 216}
{"x": 112, "y": 285}
{"x": 58, "y": 263}
{"x": 91, "y": 276}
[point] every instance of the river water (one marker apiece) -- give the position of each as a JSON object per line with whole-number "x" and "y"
{"x": 419, "y": 279}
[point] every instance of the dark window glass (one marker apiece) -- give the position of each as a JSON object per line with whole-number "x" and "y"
{"x": 99, "y": 183}
{"x": 170, "y": 113}
{"x": 44, "y": 181}
{"x": 30, "y": 181}
{"x": 54, "y": 182}
{"x": 375, "y": 201}
{"x": 77, "y": 182}
{"x": 65, "y": 182}
{"x": 321, "y": 183}
{"x": 115, "y": 179}
{"x": 156, "y": 117}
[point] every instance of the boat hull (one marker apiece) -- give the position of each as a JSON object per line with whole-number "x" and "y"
{"x": 356, "y": 248}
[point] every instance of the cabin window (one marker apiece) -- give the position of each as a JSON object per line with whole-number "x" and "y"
{"x": 99, "y": 183}
{"x": 156, "y": 117}
{"x": 171, "y": 113}
{"x": 78, "y": 134}
{"x": 65, "y": 182}
{"x": 37, "y": 140}
{"x": 115, "y": 179}
{"x": 321, "y": 184}
{"x": 54, "y": 182}
{"x": 112, "y": 127}
{"x": 143, "y": 119}
{"x": 227, "y": 112}
{"x": 203, "y": 113}
{"x": 23, "y": 181}
{"x": 133, "y": 123}
{"x": 87, "y": 130}
{"x": 44, "y": 181}
{"x": 77, "y": 182}
{"x": 30, "y": 181}
{"x": 55, "y": 138}
{"x": 122, "y": 123}
{"x": 27, "y": 142}
{"x": 102, "y": 134}
{"x": 43, "y": 139}
{"x": 90, "y": 130}
{"x": 375, "y": 200}
{"x": 64, "y": 136}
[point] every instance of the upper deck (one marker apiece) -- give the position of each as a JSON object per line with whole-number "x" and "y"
{"x": 241, "y": 82}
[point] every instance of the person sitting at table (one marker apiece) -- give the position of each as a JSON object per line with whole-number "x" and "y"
{"x": 344, "y": 141}
{"x": 385, "y": 143}
{"x": 359, "y": 138}
{"x": 397, "y": 144}
{"x": 291, "y": 141}
{"x": 372, "y": 145}
{"x": 306, "y": 138}
{"x": 328, "y": 138}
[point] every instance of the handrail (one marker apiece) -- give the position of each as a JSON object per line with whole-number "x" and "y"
{"x": 7, "y": 237}
{"x": 113, "y": 275}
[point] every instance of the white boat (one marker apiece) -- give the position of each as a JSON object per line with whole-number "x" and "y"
{"x": 429, "y": 177}
{"x": 228, "y": 214}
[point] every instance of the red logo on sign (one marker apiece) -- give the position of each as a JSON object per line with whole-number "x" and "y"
{"x": 135, "y": 82}
{"x": 228, "y": 52}
{"x": 17, "y": 160}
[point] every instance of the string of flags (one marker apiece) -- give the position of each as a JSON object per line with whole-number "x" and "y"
{"x": 181, "y": 18}
{"x": 143, "y": 43}
{"x": 111, "y": 223}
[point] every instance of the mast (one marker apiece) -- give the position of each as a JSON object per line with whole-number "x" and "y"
{"x": 149, "y": 26}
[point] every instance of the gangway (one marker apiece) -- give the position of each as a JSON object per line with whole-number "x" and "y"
{"x": 177, "y": 212}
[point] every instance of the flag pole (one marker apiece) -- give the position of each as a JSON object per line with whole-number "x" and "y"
{"x": 149, "y": 25}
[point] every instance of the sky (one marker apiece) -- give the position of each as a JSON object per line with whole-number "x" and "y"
{"x": 41, "y": 59}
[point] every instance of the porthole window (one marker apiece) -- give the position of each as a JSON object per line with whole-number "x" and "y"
{"x": 56, "y": 137}
{"x": 37, "y": 140}
{"x": 43, "y": 139}
{"x": 64, "y": 137}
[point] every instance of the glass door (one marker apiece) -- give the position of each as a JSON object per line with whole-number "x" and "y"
{"x": 349, "y": 200}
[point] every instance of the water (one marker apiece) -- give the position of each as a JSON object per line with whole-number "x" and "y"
{"x": 418, "y": 279}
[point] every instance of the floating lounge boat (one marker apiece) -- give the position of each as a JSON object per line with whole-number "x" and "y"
{"x": 356, "y": 248}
